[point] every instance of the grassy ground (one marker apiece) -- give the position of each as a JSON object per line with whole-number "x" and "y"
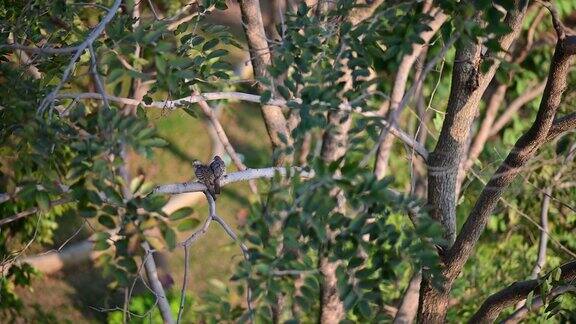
{"x": 68, "y": 296}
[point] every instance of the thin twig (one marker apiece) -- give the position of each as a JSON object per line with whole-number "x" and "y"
{"x": 33, "y": 210}
{"x": 97, "y": 79}
{"x": 80, "y": 49}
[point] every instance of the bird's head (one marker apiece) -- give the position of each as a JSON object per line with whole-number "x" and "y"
{"x": 197, "y": 163}
{"x": 218, "y": 158}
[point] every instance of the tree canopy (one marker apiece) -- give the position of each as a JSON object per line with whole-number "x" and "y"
{"x": 411, "y": 160}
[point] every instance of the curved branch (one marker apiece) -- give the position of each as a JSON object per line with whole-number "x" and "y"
{"x": 208, "y": 96}
{"x": 538, "y": 302}
{"x": 562, "y": 125}
{"x": 399, "y": 89}
{"x": 507, "y": 297}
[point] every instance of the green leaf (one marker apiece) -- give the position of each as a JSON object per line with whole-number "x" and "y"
{"x": 154, "y": 142}
{"x": 107, "y": 221}
{"x": 155, "y": 242}
{"x": 265, "y": 97}
{"x": 129, "y": 264}
{"x": 160, "y": 64}
{"x": 136, "y": 183}
{"x": 188, "y": 224}
{"x": 113, "y": 196}
{"x": 43, "y": 200}
{"x": 101, "y": 245}
{"x": 364, "y": 308}
{"x": 170, "y": 238}
{"x": 210, "y": 44}
{"x": 216, "y": 53}
{"x": 529, "y": 300}
{"x": 557, "y": 275}
{"x": 181, "y": 213}
{"x": 284, "y": 91}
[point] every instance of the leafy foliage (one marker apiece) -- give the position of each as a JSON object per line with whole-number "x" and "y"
{"x": 72, "y": 157}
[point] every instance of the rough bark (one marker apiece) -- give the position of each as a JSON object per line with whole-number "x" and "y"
{"x": 434, "y": 302}
{"x": 331, "y": 308}
{"x": 468, "y": 86}
{"x": 275, "y": 121}
{"x": 336, "y": 137}
{"x": 495, "y": 304}
{"x": 538, "y": 302}
{"x": 524, "y": 149}
{"x": 334, "y": 143}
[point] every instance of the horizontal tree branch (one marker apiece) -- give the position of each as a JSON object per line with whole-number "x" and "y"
{"x": 248, "y": 174}
{"x": 33, "y": 210}
{"x": 176, "y": 103}
{"x": 41, "y": 50}
{"x": 562, "y": 125}
{"x": 538, "y": 302}
{"x": 514, "y": 293}
{"x": 209, "y": 96}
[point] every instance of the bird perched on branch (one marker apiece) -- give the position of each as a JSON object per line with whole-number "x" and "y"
{"x": 210, "y": 174}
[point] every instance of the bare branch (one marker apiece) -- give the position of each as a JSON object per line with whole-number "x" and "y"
{"x": 542, "y": 247}
{"x": 208, "y": 96}
{"x": 152, "y": 275}
{"x": 174, "y": 104}
{"x": 562, "y": 125}
{"x": 484, "y": 131}
{"x": 186, "y": 244}
{"x": 407, "y": 139}
{"x": 529, "y": 95}
{"x": 556, "y": 22}
{"x": 248, "y": 174}
{"x": 409, "y": 305}
{"x": 4, "y": 197}
{"x": 97, "y": 79}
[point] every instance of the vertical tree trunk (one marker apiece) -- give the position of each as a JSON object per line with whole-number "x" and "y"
{"x": 409, "y": 306}
{"x": 433, "y": 303}
{"x": 261, "y": 58}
